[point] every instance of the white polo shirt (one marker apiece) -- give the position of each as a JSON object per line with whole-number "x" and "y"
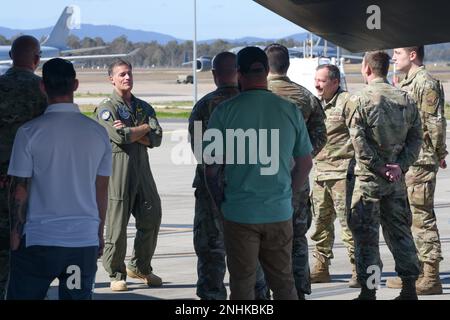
{"x": 62, "y": 152}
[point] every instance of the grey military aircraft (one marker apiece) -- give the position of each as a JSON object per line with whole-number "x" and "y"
{"x": 361, "y": 25}
{"x": 55, "y": 44}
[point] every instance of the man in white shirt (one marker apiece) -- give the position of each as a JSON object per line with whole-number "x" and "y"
{"x": 59, "y": 168}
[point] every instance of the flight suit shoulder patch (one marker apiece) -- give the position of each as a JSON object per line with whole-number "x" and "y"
{"x": 105, "y": 114}
{"x": 152, "y": 123}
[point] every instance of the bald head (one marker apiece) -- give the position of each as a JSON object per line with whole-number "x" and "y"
{"x": 25, "y": 52}
{"x": 224, "y": 69}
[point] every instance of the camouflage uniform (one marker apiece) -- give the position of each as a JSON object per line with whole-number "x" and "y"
{"x": 20, "y": 101}
{"x": 421, "y": 177}
{"x": 208, "y": 225}
{"x": 385, "y": 128}
{"x": 333, "y": 183}
{"x": 315, "y": 123}
{"x": 132, "y": 189}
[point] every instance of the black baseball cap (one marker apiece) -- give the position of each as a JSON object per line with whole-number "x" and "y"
{"x": 252, "y": 60}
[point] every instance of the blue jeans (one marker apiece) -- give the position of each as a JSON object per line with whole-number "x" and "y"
{"x": 34, "y": 268}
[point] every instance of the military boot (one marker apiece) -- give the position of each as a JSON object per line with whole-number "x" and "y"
{"x": 367, "y": 294}
{"x": 408, "y": 290}
{"x": 353, "y": 282}
{"x": 396, "y": 283}
{"x": 420, "y": 274}
{"x": 431, "y": 283}
{"x": 320, "y": 272}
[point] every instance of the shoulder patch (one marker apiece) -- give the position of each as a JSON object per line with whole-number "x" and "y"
{"x": 431, "y": 97}
{"x": 105, "y": 114}
{"x": 153, "y": 123}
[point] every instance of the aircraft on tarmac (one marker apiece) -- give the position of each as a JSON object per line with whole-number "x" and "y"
{"x": 55, "y": 44}
{"x": 303, "y": 62}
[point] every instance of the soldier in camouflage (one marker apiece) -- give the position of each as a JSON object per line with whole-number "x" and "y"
{"x": 20, "y": 101}
{"x": 386, "y": 133}
{"x": 421, "y": 177}
{"x": 314, "y": 117}
{"x": 208, "y": 225}
{"x": 132, "y": 127}
{"x": 333, "y": 183}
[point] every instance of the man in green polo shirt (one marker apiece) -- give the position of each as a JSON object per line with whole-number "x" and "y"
{"x": 260, "y": 174}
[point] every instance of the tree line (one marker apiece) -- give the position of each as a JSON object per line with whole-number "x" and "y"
{"x": 173, "y": 54}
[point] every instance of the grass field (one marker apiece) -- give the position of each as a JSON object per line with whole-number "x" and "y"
{"x": 170, "y": 110}
{"x": 90, "y": 95}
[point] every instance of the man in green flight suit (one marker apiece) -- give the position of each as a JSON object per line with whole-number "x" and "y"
{"x": 132, "y": 128}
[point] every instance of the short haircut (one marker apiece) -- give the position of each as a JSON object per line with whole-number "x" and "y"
{"x": 378, "y": 61}
{"x": 219, "y": 62}
{"x": 118, "y": 62}
{"x": 248, "y": 57}
{"x": 419, "y": 50}
{"x": 59, "y": 77}
{"x": 24, "y": 48}
{"x": 333, "y": 71}
{"x": 278, "y": 56}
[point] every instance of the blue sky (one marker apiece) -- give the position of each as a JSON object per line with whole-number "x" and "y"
{"x": 215, "y": 18}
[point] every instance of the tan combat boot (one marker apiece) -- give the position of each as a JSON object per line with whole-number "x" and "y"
{"x": 431, "y": 283}
{"x": 353, "y": 282}
{"x": 320, "y": 272}
{"x": 408, "y": 290}
{"x": 151, "y": 279}
{"x": 118, "y": 285}
{"x": 396, "y": 283}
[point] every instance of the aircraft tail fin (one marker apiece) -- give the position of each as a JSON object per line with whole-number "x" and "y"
{"x": 69, "y": 19}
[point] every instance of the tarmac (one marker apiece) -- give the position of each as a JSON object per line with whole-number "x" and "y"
{"x": 175, "y": 260}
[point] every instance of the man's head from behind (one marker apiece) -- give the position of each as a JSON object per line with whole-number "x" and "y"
{"x": 224, "y": 69}
{"x": 406, "y": 57}
{"x": 375, "y": 65}
{"x": 26, "y": 52}
{"x": 327, "y": 81}
{"x": 121, "y": 75}
{"x": 278, "y": 56}
{"x": 253, "y": 68}
{"x": 59, "y": 80}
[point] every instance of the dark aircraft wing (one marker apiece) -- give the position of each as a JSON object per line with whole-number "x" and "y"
{"x": 404, "y": 23}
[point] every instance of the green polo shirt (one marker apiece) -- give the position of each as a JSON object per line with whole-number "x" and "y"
{"x": 259, "y": 191}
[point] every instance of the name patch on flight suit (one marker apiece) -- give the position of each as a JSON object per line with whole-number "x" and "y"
{"x": 123, "y": 112}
